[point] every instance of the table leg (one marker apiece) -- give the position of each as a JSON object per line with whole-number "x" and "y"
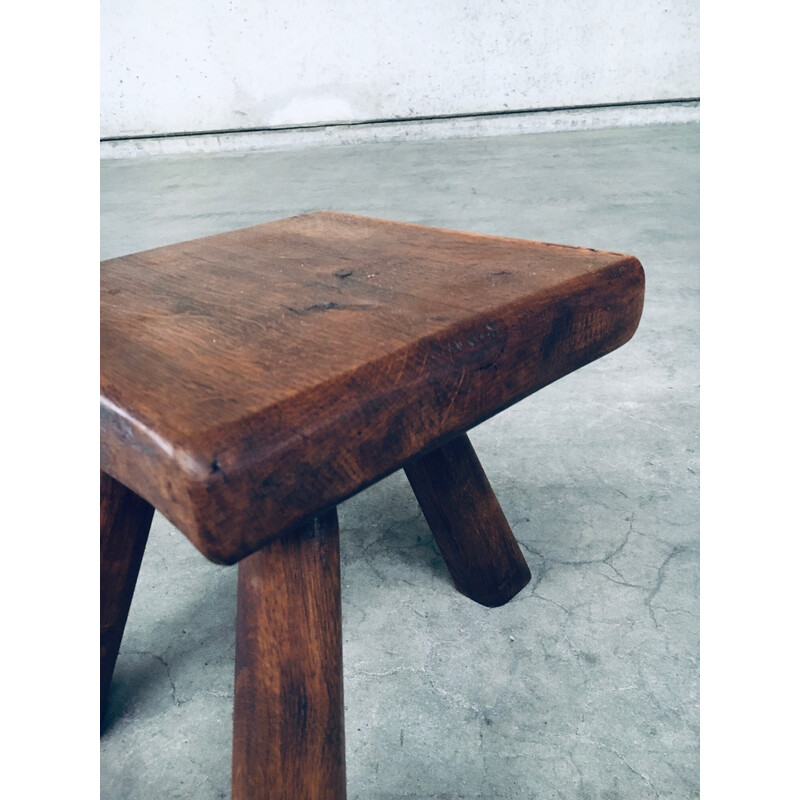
{"x": 468, "y": 524}
{"x": 124, "y": 525}
{"x": 288, "y": 714}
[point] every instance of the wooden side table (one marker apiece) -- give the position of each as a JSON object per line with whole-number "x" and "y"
{"x": 251, "y": 381}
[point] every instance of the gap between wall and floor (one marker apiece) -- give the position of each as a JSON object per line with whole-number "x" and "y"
{"x": 418, "y": 129}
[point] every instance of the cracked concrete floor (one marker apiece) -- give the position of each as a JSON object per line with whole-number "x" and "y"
{"x": 586, "y": 684}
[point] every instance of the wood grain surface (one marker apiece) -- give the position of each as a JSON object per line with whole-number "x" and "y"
{"x": 288, "y": 714}
{"x": 468, "y": 524}
{"x": 124, "y": 526}
{"x": 254, "y": 378}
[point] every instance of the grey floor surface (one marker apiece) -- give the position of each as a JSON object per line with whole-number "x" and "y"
{"x": 586, "y": 684}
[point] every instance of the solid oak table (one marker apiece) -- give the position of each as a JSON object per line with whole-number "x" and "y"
{"x": 251, "y": 381}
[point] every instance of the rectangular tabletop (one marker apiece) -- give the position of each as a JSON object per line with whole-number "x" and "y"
{"x": 256, "y": 377}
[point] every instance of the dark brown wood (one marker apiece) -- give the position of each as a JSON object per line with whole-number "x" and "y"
{"x": 252, "y": 378}
{"x": 124, "y": 526}
{"x": 288, "y": 713}
{"x": 468, "y": 524}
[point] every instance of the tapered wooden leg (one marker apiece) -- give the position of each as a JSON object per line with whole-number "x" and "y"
{"x": 468, "y": 524}
{"x": 124, "y": 525}
{"x": 288, "y": 710}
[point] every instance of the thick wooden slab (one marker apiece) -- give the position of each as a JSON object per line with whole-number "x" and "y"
{"x": 254, "y": 378}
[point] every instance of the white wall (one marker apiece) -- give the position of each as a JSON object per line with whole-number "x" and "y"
{"x": 174, "y": 66}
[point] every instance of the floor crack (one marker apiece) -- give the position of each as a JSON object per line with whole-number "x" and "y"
{"x": 164, "y": 664}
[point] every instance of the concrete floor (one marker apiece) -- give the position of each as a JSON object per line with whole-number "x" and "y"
{"x": 586, "y": 684}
